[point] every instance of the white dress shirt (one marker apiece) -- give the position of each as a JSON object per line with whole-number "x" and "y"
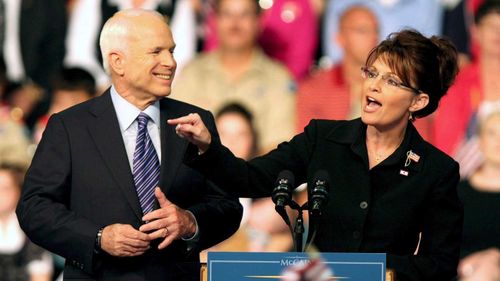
{"x": 127, "y": 118}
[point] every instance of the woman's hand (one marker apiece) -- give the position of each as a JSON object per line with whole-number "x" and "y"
{"x": 192, "y": 128}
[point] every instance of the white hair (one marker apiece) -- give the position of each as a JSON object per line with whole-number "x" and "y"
{"x": 117, "y": 28}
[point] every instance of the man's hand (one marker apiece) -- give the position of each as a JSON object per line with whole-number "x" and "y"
{"x": 481, "y": 266}
{"x": 122, "y": 240}
{"x": 169, "y": 222}
{"x": 192, "y": 128}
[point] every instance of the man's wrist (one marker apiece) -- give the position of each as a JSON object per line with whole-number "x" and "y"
{"x": 193, "y": 228}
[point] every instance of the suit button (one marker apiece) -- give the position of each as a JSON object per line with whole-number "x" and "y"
{"x": 363, "y": 205}
{"x": 356, "y": 234}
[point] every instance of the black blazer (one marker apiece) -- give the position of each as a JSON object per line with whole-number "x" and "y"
{"x": 80, "y": 180}
{"x": 382, "y": 209}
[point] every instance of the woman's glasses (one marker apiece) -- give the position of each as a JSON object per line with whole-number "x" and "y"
{"x": 389, "y": 79}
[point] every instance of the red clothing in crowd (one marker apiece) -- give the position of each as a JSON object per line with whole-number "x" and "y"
{"x": 457, "y": 108}
{"x": 323, "y": 95}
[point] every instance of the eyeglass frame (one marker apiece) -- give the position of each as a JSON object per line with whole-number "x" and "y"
{"x": 365, "y": 70}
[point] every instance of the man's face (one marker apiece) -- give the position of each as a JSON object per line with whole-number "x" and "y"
{"x": 487, "y": 33}
{"x": 148, "y": 61}
{"x": 358, "y": 34}
{"x": 237, "y": 24}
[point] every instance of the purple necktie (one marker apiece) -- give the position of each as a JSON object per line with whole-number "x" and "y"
{"x": 146, "y": 168}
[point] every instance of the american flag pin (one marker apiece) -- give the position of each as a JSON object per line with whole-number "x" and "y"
{"x": 413, "y": 156}
{"x": 403, "y": 172}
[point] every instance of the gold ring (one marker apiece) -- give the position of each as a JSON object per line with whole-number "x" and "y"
{"x": 168, "y": 232}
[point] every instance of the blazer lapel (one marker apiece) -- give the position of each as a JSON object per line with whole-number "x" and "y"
{"x": 172, "y": 146}
{"x": 106, "y": 134}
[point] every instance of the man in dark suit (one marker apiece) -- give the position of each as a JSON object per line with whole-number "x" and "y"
{"x": 90, "y": 193}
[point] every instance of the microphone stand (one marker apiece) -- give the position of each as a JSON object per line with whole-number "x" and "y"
{"x": 298, "y": 230}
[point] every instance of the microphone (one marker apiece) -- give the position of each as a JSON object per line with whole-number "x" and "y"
{"x": 283, "y": 190}
{"x": 282, "y": 193}
{"x": 319, "y": 193}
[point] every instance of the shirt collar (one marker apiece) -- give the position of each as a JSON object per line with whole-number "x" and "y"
{"x": 353, "y": 133}
{"x": 127, "y": 113}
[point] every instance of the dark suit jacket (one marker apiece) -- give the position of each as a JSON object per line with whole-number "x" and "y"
{"x": 80, "y": 180}
{"x": 382, "y": 209}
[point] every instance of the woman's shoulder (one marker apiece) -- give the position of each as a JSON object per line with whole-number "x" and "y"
{"x": 337, "y": 130}
{"x": 436, "y": 158}
{"x": 332, "y": 124}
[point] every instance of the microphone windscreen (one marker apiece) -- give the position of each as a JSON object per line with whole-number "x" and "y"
{"x": 323, "y": 176}
{"x": 288, "y": 176}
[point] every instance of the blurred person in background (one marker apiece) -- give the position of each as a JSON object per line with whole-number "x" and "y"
{"x": 14, "y": 141}
{"x": 20, "y": 259}
{"x": 480, "y": 192}
{"x": 238, "y": 71}
{"x": 24, "y": 100}
{"x": 478, "y": 84}
{"x": 336, "y": 93}
{"x": 423, "y": 15}
{"x": 289, "y": 32}
{"x": 89, "y": 16}
{"x": 33, "y": 44}
{"x": 72, "y": 86}
{"x": 33, "y": 47}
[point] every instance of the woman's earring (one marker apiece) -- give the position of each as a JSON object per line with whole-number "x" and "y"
{"x": 411, "y": 116}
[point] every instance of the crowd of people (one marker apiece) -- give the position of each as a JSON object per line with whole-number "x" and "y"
{"x": 265, "y": 69}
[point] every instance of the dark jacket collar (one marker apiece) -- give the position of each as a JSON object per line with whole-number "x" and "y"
{"x": 353, "y": 133}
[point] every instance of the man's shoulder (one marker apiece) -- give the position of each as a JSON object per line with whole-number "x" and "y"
{"x": 92, "y": 107}
{"x": 272, "y": 66}
{"x": 201, "y": 61}
{"x": 181, "y": 106}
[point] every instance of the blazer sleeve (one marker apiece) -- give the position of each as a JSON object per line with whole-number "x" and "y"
{"x": 254, "y": 178}
{"x": 219, "y": 216}
{"x": 43, "y": 209}
{"x": 439, "y": 249}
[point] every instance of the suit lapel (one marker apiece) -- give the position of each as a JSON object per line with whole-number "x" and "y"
{"x": 106, "y": 134}
{"x": 172, "y": 146}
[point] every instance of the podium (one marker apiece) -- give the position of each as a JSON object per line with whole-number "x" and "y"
{"x": 245, "y": 266}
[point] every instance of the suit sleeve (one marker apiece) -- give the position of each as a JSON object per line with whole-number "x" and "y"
{"x": 219, "y": 216}
{"x": 439, "y": 250}
{"x": 255, "y": 178}
{"x": 43, "y": 209}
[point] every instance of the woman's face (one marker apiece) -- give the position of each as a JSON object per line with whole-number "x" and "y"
{"x": 490, "y": 139}
{"x": 9, "y": 193}
{"x": 236, "y": 134}
{"x": 385, "y": 101}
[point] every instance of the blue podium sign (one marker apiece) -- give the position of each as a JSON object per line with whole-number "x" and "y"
{"x": 244, "y": 266}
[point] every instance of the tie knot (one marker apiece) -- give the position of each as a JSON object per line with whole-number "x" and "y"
{"x": 143, "y": 119}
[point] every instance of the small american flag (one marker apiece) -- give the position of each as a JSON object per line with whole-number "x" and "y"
{"x": 413, "y": 156}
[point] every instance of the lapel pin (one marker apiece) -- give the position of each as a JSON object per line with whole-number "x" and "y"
{"x": 403, "y": 172}
{"x": 411, "y": 156}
